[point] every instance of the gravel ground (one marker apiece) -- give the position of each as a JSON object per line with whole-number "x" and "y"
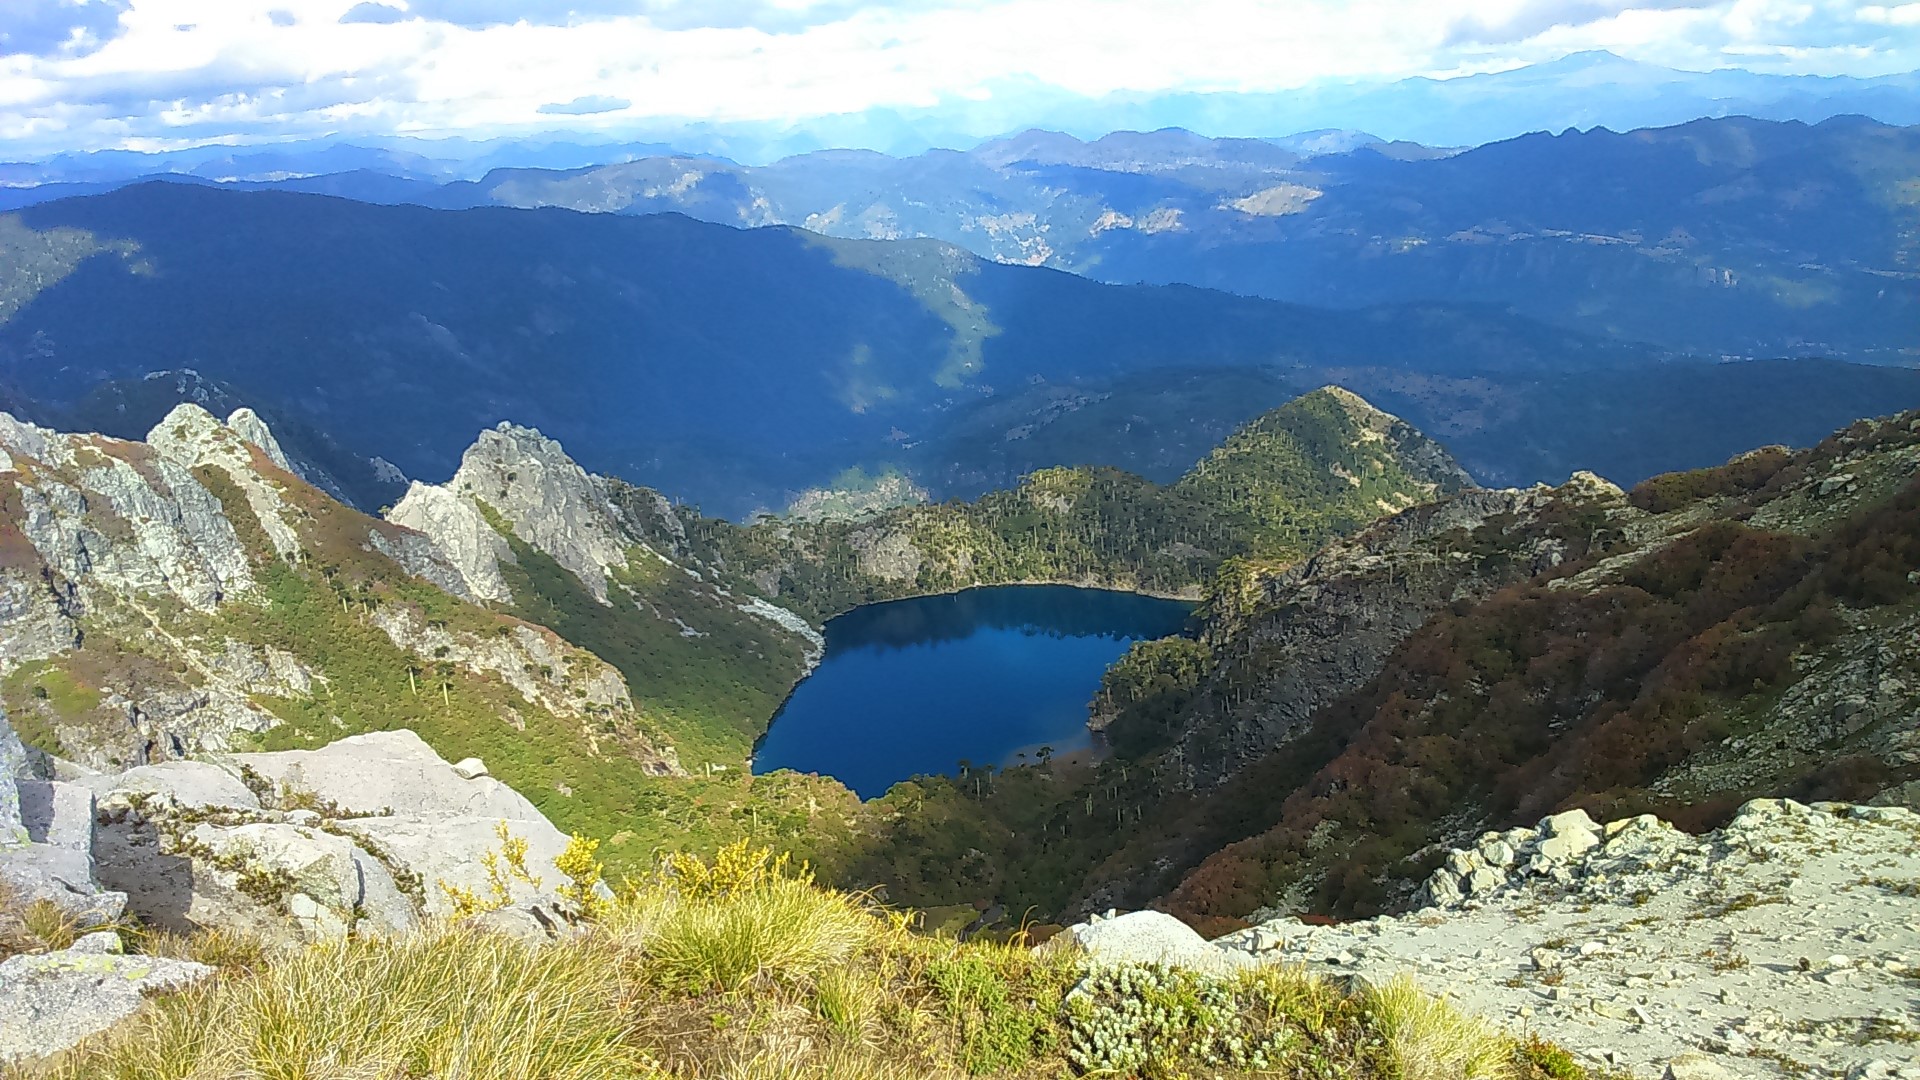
{"x": 1786, "y": 944}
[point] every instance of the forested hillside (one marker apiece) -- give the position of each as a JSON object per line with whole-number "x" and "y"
{"x": 1707, "y": 638}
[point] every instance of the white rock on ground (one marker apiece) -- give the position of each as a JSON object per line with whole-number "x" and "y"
{"x": 194, "y": 785}
{"x": 1148, "y": 937}
{"x": 362, "y": 836}
{"x": 51, "y": 1001}
{"x": 419, "y": 812}
{"x": 354, "y": 838}
{"x": 1787, "y": 943}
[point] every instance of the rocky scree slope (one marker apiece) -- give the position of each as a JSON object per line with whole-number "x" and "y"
{"x": 187, "y": 595}
{"x": 1782, "y": 944}
{"x": 370, "y": 835}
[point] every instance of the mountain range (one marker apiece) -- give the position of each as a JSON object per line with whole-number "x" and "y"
{"x": 1580, "y": 90}
{"x": 1727, "y": 237}
{"x": 742, "y": 368}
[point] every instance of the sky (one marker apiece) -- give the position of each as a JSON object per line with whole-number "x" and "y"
{"x": 157, "y": 74}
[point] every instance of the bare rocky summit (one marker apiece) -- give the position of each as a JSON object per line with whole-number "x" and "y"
{"x": 599, "y": 530}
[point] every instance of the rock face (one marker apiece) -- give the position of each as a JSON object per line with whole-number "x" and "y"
{"x": 549, "y": 500}
{"x": 13, "y": 764}
{"x": 46, "y": 840}
{"x": 462, "y": 535}
{"x": 125, "y": 535}
{"x": 1786, "y": 943}
{"x": 1313, "y": 631}
{"x": 367, "y": 836}
{"x": 595, "y": 528}
{"x": 363, "y": 836}
{"x": 51, "y": 1001}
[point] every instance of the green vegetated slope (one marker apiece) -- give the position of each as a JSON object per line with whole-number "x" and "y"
{"x": 705, "y": 674}
{"x": 1322, "y": 465}
{"x": 1751, "y": 635}
{"x": 594, "y": 768}
{"x": 1713, "y": 636}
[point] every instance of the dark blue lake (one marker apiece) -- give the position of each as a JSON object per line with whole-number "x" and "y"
{"x": 911, "y": 687}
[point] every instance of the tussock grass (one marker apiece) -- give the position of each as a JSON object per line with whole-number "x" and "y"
{"x": 785, "y": 930}
{"x": 451, "y": 1003}
{"x": 1429, "y": 1039}
{"x": 738, "y": 969}
{"x": 232, "y": 950}
{"x": 37, "y": 925}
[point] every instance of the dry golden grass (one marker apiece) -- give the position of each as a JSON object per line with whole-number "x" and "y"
{"x": 734, "y": 972}
{"x": 1431, "y": 1040}
{"x": 229, "y": 950}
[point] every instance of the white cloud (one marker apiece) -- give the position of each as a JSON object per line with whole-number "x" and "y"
{"x": 182, "y": 68}
{"x": 1903, "y": 15}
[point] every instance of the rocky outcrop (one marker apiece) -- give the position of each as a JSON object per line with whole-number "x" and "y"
{"x": 1784, "y": 944}
{"x": 547, "y": 499}
{"x": 50, "y": 1002}
{"x": 544, "y": 669}
{"x": 125, "y": 534}
{"x": 191, "y": 437}
{"x": 112, "y": 518}
{"x": 46, "y": 840}
{"x": 13, "y": 764}
{"x": 461, "y": 535}
{"x": 365, "y": 836}
{"x": 252, "y": 430}
{"x": 611, "y": 536}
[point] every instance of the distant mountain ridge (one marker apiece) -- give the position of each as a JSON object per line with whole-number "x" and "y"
{"x": 1579, "y": 90}
{"x": 1717, "y": 237}
{"x": 742, "y": 368}
{"x": 726, "y": 366}
{"x": 1728, "y": 237}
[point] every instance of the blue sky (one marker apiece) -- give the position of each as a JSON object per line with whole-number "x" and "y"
{"x": 159, "y": 73}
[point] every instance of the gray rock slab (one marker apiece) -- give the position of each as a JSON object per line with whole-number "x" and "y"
{"x": 193, "y": 784}
{"x": 53, "y": 1001}
{"x": 57, "y": 813}
{"x": 13, "y": 764}
{"x": 63, "y": 876}
{"x": 389, "y": 771}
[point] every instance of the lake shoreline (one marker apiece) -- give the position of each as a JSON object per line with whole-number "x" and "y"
{"x": 910, "y": 685}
